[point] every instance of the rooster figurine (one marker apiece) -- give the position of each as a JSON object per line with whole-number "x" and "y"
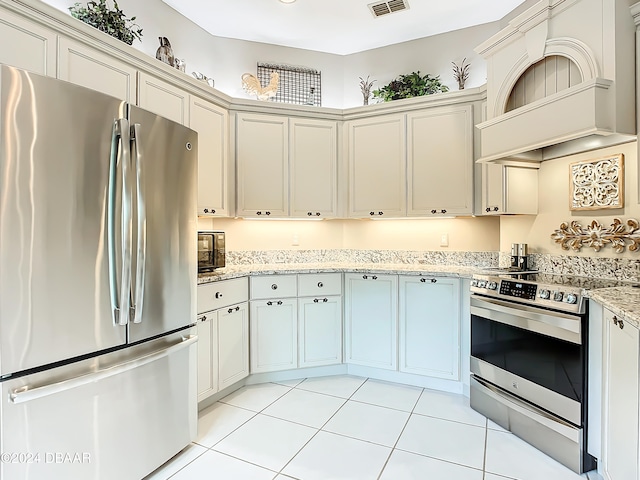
{"x": 252, "y": 86}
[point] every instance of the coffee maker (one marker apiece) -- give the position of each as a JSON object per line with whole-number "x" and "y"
{"x": 519, "y": 257}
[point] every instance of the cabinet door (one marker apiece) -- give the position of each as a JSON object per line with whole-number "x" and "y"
{"x": 262, "y": 159}
{"x": 233, "y": 344}
{"x": 509, "y": 189}
{"x": 86, "y": 66}
{"x": 371, "y": 320}
{"x": 377, "y": 166}
{"x": 212, "y": 124}
{"x": 320, "y": 331}
{"x": 163, "y": 99}
{"x": 430, "y": 327}
{"x": 27, "y": 45}
{"x": 274, "y": 335}
{"x": 207, "y": 359}
{"x": 440, "y": 161}
{"x": 313, "y": 178}
{"x": 621, "y": 421}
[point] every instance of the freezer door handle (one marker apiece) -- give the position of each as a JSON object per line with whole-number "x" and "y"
{"x": 120, "y": 160}
{"x": 138, "y": 297}
{"x": 27, "y": 393}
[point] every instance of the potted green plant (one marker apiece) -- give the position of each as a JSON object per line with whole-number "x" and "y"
{"x": 112, "y": 21}
{"x": 410, "y": 85}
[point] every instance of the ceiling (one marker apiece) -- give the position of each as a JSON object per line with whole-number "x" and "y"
{"x": 340, "y": 27}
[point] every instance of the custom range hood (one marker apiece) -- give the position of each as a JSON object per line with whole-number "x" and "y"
{"x": 560, "y": 80}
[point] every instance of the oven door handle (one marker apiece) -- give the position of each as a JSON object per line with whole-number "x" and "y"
{"x": 557, "y": 325}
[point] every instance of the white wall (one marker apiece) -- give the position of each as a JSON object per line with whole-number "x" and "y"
{"x": 227, "y": 59}
{"x": 554, "y": 206}
{"x": 465, "y": 234}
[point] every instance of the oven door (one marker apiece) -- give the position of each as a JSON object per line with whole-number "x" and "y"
{"x": 535, "y": 354}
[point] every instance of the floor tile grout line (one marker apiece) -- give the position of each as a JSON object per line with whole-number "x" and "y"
{"x": 449, "y": 420}
{"x": 398, "y": 439}
{"x": 438, "y": 459}
{"x": 188, "y": 463}
{"x": 235, "y": 429}
{"x": 243, "y": 460}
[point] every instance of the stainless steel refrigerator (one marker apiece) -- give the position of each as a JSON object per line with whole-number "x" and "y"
{"x": 97, "y": 283}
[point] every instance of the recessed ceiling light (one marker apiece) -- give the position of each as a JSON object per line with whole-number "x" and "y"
{"x": 287, "y": 1}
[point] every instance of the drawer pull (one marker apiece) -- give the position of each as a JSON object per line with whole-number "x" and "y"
{"x": 237, "y": 308}
{"x": 315, "y": 300}
{"x": 230, "y": 310}
{"x": 203, "y": 318}
{"x": 320, "y": 284}
{"x": 218, "y": 294}
{"x": 269, "y": 303}
{"x": 325, "y": 300}
{"x": 279, "y": 302}
{"x": 423, "y": 280}
{"x": 274, "y": 287}
{"x": 373, "y": 277}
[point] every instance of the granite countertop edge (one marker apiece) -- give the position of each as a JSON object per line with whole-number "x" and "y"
{"x": 622, "y": 301}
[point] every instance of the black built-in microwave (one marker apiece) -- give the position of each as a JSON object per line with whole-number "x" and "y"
{"x": 211, "y": 250}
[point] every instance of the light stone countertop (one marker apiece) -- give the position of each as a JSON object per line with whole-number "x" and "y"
{"x": 235, "y": 271}
{"x": 623, "y": 301}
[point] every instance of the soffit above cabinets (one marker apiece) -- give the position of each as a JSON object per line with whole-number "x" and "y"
{"x": 597, "y": 111}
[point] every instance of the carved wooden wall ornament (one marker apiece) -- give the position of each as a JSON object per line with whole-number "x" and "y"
{"x": 618, "y": 235}
{"x": 597, "y": 184}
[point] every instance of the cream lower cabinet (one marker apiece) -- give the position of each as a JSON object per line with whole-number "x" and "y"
{"x": 212, "y": 124}
{"x": 207, "y": 358}
{"x": 27, "y": 45}
{"x": 163, "y": 99}
{"x": 274, "y": 335}
{"x": 85, "y": 66}
{"x": 621, "y": 425}
{"x": 371, "y": 320}
{"x": 440, "y": 161}
{"x": 509, "y": 189}
{"x": 429, "y": 324}
{"x": 377, "y": 166}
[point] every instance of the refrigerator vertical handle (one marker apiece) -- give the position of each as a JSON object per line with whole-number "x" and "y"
{"x": 141, "y": 227}
{"x": 120, "y": 159}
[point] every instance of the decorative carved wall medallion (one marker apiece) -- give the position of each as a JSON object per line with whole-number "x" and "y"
{"x": 594, "y": 235}
{"x": 597, "y": 184}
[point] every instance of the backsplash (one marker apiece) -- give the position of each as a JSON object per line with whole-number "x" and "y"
{"x": 477, "y": 259}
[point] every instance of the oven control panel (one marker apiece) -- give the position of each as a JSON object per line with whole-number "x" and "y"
{"x": 559, "y": 297}
{"x": 518, "y": 289}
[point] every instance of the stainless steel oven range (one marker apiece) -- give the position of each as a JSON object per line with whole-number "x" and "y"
{"x": 529, "y": 361}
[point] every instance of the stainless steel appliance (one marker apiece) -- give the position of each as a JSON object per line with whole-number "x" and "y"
{"x": 519, "y": 256}
{"x": 211, "y": 250}
{"x": 529, "y": 361}
{"x": 97, "y": 285}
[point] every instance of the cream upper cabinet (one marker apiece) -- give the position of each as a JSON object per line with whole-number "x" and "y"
{"x": 621, "y": 420}
{"x": 85, "y": 66}
{"x": 27, "y": 45}
{"x": 163, "y": 99}
{"x": 262, "y": 153}
{"x": 440, "y": 161}
{"x": 377, "y": 166}
{"x": 509, "y": 189}
{"x": 212, "y": 124}
{"x": 313, "y": 161}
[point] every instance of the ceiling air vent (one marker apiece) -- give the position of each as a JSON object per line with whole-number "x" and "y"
{"x": 383, "y": 8}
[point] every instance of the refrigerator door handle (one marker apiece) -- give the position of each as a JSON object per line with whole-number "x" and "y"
{"x": 141, "y": 227}
{"x": 120, "y": 157}
{"x": 26, "y": 393}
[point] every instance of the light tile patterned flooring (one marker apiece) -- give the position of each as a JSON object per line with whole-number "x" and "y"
{"x": 353, "y": 428}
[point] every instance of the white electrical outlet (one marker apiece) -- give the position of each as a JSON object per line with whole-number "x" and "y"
{"x": 444, "y": 240}
{"x": 295, "y": 240}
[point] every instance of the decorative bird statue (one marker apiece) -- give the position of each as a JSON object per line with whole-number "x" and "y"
{"x": 252, "y": 86}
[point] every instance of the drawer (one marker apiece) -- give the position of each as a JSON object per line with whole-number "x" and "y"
{"x": 273, "y": 286}
{"x": 315, "y": 284}
{"x": 223, "y": 293}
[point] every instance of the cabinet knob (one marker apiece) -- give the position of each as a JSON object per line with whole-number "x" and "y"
{"x": 433, "y": 280}
{"x": 495, "y": 209}
{"x": 325, "y": 300}
{"x": 615, "y": 320}
{"x": 258, "y": 213}
{"x": 209, "y": 210}
{"x": 317, "y": 214}
{"x": 443, "y": 211}
{"x": 487, "y": 209}
{"x": 380, "y": 213}
{"x": 203, "y": 318}
{"x": 372, "y": 213}
{"x": 269, "y": 303}
{"x": 618, "y": 321}
{"x": 237, "y": 308}
{"x": 423, "y": 280}
{"x": 364, "y": 276}
{"x": 268, "y": 213}
{"x": 315, "y": 300}
{"x": 279, "y": 302}
{"x": 230, "y": 310}
{"x": 309, "y": 213}
{"x": 320, "y": 284}
{"x": 274, "y": 286}
{"x": 374, "y": 277}
{"x": 434, "y": 211}
{"x": 218, "y": 294}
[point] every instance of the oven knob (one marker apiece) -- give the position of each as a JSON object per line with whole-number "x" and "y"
{"x": 492, "y": 285}
{"x": 557, "y": 296}
{"x": 474, "y": 283}
{"x": 544, "y": 294}
{"x": 572, "y": 298}
{"x": 482, "y": 284}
